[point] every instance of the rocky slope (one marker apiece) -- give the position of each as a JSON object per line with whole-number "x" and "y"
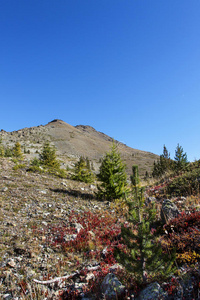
{"x": 29, "y": 204}
{"x": 72, "y": 142}
{"x": 55, "y": 229}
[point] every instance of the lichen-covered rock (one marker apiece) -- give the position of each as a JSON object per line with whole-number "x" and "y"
{"x": 150, "y": 200}
{"x": 152, "y": 292}
{"x": 168, "y": 211}
{"x": 111, "y": 286}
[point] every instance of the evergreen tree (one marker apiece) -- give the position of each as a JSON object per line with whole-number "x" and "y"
{"x": 112, "y": 175}
{"x": 135, "y": 176}
{"x": 165, "y": 159}
{"x": 146, "y": 177}
{"x": 88, "y": 163}
{"x": 48, "y": 156}
{"x": 180, "y": 159}
{"x": 17, "y": 152}
{"x": 163, "y": 164}
{"x": 82, "y": 171}
{"x": 143, "y": 255}
{"x": 35, "y": 162}
{"x": 2, "y": 151}
{"x": 8, "y": 152}
{"x": 156, "y": 169}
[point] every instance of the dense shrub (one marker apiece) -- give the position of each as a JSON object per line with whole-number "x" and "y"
{"x": 36, "y": 162}
{"x": 97, "y": 232}
{"x": 186, "y": 184}
{"x": 183, "y": 233}
{"x": 35, "y": 169}
{"x": 19, "y": 166}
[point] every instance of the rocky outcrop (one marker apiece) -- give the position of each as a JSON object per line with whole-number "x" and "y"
{"x": 111, "y": 286}
{"x": 168, "y": 211}
{"x": 151, "y": 292}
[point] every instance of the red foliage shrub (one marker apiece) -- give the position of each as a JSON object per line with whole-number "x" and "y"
{"x": 98, "y": 231}
{"x": 183, "y": 233}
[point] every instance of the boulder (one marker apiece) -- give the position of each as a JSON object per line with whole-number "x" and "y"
{"x": 151, "y": 292}
{"x": 168, "y": 211}
{"x": 111, "y": 286}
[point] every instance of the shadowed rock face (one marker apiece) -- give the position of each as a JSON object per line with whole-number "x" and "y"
{"x": 72, "y": 142}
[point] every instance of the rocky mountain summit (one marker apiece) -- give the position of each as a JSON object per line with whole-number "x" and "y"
{"x": 72, "y": 142}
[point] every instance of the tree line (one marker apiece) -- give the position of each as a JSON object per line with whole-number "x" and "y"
{"x": 165, "y": 163}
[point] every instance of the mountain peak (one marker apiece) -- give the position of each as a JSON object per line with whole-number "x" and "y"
{"x": 72, "y": 142}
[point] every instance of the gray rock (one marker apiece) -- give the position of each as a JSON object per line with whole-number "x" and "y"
{"x": 149, "y": 200}
{"x": 78, "y": 227}
{"x": 111, "y": 286}
{"x": 168, "y": 211}
{"x": 11, "y": 263}
{"x": 43, "y": 192}
{"x": 151, "y": 292}
{"x": 7, "y": 297}
{"x": 70, "y": 237}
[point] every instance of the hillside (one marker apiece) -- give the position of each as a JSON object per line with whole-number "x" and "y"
{"x": 53, "y": 227}
{"x": 72, "y": 142}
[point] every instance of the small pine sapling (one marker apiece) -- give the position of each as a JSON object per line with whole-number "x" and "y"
{"x": 163, "y": 165}
{"x": 82, "y": 171}
{"x": 48, "y": 157}
{"x": 143, "y": 255}
{"x": 17, "y": 152}
{"x": 2, "y": 151}
{"x": 112, "y": 176}
{"x": 180, "y": 159}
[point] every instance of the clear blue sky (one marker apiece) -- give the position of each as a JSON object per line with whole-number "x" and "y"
{"x": 129, "y": 68}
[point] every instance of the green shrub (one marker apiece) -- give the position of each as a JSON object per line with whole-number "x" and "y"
{"x": 19, "y": 166}
{"x": 35, "y": 169}
{"x": 35, "y": 162}
{"x": 186, "y": 184}
{"x": 56, "y": 172}
{"x": 2, "y": 151}
{"x": 61, "y": 173}
{"x": 8, "y": 152}
{"x": 82, "y": 171}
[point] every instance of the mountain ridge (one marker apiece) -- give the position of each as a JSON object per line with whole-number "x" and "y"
{"x": 71, "y": 142}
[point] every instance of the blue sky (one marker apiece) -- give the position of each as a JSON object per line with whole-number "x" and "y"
{"x": 129, "y": 68}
